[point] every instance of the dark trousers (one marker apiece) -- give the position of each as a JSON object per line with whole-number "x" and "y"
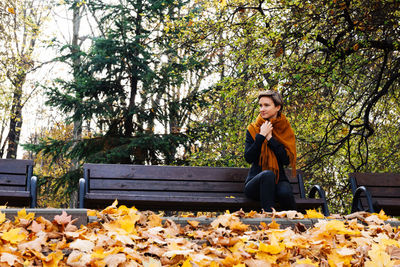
{"x": 262, "y": 187}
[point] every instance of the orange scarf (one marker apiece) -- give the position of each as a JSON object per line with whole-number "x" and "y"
{"x": 284, "y": 134}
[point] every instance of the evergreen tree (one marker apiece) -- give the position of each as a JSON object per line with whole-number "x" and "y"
{"x": 131, "y": 87}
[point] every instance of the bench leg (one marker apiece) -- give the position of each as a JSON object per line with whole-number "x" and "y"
{"x": 81, "y": 192}
{"x": 33, "y": 186}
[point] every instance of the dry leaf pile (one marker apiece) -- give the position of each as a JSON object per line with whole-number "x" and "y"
{"x": 126, "y": 237}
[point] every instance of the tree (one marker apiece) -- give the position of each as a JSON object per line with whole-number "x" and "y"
{"x": 20, "y": 23}
{"x": 336, "y": 64}
{"x": 137, "y": 102}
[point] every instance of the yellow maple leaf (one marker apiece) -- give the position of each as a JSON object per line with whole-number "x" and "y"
{"x": 383, "y": 216}
{"x": 390, "y": 242}
{"x": 313, "y": 214}
{"x": 378, "y": 257}
{"x": 236, "y": 247}
{"x": 230, "y": 261}
{"x": 273, "y": 248}
{"x": 53, "y": 259}
{"x": 336, "y": 226}
{"x": 128, "y": 225}
{"x": 335, "y": 259}
{"x": 14, "y": 236}
{"x": 91, "y": 213}
{"x": 307, "y": 261}
{"x": 187, "y": 263}
{"x": 22, "y": 215}
{"x": 239, "y": 265}
{"x": 2, "y": 217}
{"x": 123, "y": 210}
{"x": 266, "y": 257}
{"x": 98, "y": 253}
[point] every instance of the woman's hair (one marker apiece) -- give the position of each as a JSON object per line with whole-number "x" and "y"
{"x": 275, "y": 96}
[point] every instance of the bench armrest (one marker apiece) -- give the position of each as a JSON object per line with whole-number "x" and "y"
{"x": 317, "y": 189}
{"x": 32, "y": 189}
{"x": 82, "y": 184}
{"x": 356, "y": 199}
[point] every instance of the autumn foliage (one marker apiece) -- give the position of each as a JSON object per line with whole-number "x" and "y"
{"x": 124, "y": 236}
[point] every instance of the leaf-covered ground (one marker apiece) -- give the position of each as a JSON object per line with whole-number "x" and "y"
{"x": 127, "y": 237}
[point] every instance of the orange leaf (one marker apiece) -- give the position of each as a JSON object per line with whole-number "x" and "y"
{"x": 11, "y": 10}
{"x": 53, "y": 259}
{"x": 193, "y": 223}
{"x": 273, "y": 225}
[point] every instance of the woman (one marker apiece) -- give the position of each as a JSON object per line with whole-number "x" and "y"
{"x": 270, "y": 145}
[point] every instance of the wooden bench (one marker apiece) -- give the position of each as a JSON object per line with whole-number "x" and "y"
{"x": 178, "y": 188}
{"x": 375, "y": 191}
{"x": 17, "y": 184}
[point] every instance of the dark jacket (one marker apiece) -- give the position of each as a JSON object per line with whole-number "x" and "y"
{"x": 252, "y": 155}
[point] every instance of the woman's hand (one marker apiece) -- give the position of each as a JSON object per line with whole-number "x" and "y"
{"x": 266, "y": 129}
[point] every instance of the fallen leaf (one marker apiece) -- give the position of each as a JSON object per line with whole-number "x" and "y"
{"x": 62, "y": 219}
{"x": 2, "y": 217}
{"x": 313, "y": 214}
{"x": 22, "y": 215}
{"x": 82, "y": 245}
{"x": 11, "y": 259}
{"x": 14, "y": 235}
{"x": 193, "y": 223}
{"x": 115, "y": 259}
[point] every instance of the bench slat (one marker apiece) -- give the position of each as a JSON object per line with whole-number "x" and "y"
{"x": 162, "y": 185}
{"x": 377, "y": 179}
{"x": 110, "y": 171}
{"x": 127, "y": 171}
{"x": 378, "y": 192}
{"x": 14, "y": 166}
{"x": 12, "y": 179}
{"x": 158, "y": 185}
{"x": 13, "y": 193}
{"x": 12, "y": 188}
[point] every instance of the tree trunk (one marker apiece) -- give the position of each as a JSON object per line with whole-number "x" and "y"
{"x": 77, "y": 131}
{"x": 138, "y": 153}
{"x": 15, "y": 123}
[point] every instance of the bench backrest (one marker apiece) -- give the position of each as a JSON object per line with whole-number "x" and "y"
{"x": 14, "y": 174}
{"x": 380, "y": 185}
{"x": 384, "y": 185}
{"x": 124, "y": 178}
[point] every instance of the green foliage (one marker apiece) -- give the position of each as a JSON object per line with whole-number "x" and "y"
{"x": 336, "y": 64}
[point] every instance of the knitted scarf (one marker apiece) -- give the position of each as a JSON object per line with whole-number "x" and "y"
{"x": 284, "y": 134}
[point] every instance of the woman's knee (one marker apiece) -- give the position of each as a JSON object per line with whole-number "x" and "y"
{"x": 267, "y": 176}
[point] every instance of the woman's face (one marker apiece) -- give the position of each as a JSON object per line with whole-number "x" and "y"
{"x": 268, "y": 110}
